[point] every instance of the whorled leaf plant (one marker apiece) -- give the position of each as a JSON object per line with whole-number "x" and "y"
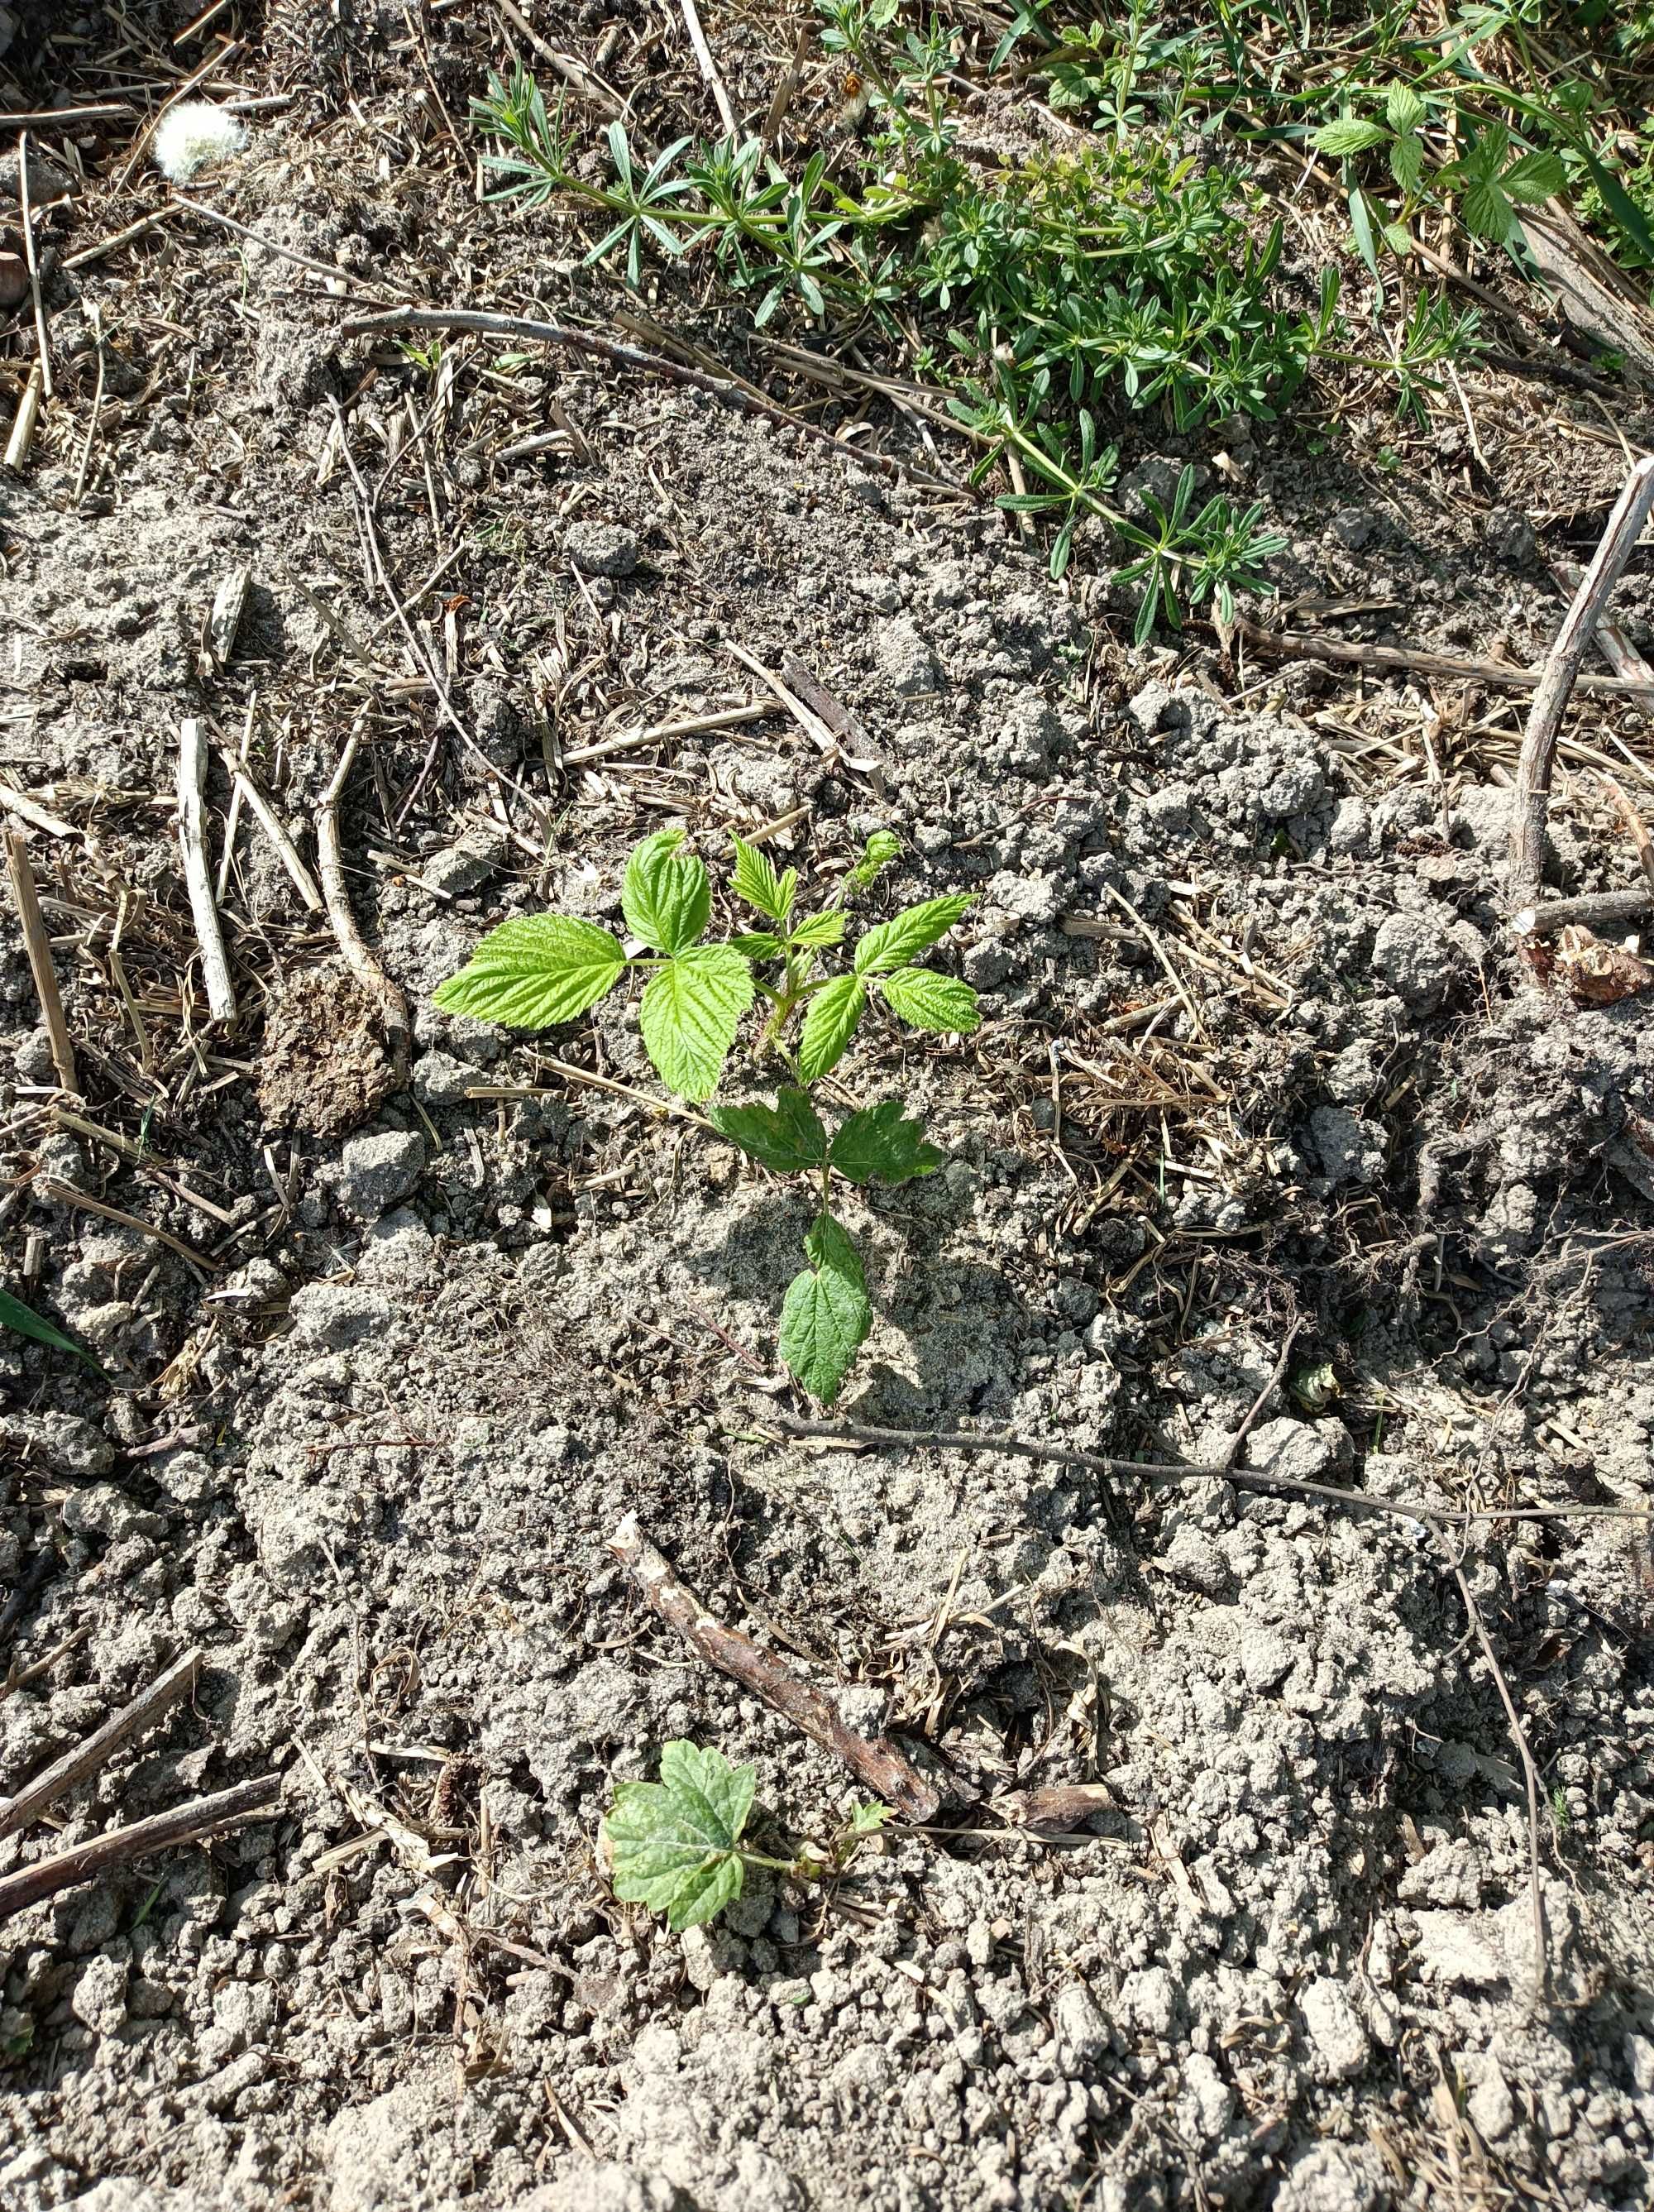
{"x": 537, "y": 971}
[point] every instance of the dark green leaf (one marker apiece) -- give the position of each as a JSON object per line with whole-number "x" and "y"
{"x": 785, "y": 1136}
{"x": 825, "y": 1315}
{"x": 1534, "y": 177}
{"x": 894, "y": 944}
{"x": 881, "y": 1145}
{"x": 830, "y": 1022}
{"x": 932, "y": 1001}
{"x": 23, "y": 1321}
{"x": 534, "y": 972}
{"x": 690, "y": 1013}
{"x": 666, "y": 896}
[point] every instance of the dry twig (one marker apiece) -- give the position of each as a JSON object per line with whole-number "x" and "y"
{"x": 877, "y": 1762}
{"x": 185, "y": 1824}
{"x": 38, "y": 945}
{"x": 197, "y": 872}
{"x": 1562, "y": 672}
{"x": 34, "y": 1797}
{"x": 364, "y": 965}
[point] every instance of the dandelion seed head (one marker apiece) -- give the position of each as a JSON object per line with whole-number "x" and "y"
{"x": 195, "y": 136}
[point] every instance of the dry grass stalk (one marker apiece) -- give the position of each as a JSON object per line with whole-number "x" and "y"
{"x": 38, "y": 945}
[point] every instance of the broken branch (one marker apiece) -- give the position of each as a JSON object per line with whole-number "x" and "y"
{"x": 185, "y": 1824}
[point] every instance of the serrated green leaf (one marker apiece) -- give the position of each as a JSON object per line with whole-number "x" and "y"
{"x": 534, "y": 972}
{"x": 786, "y": 1136}
{"x": 894, "y": 944}
{"x": 23, "y": 1321}
{"x": 674, "y": 1844}
{"x": 1403, "y": 109}
{"x": 1348, "y": 135}
{"x": 756, "y": 882}
{"x": 819, "y": 929}
{"x": 932, "y": 1001}
{"x": 690, "y": 1013}
{"x": 1536, "y": 177}
{"x": 879, "y": 1143}
{"x": 1487, "y": 211}
{"x": 759, "y": 944}
{"x": 830, "y": 1022}
{"x": 825, "y": 1315}
{"x": 666, "y": 897}
{"x": 1406, "y": 162}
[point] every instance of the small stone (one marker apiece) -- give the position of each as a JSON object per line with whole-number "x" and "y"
{"x": 334, "y": 1315}
{"x": 1417, "y": 960}
{"x": 1491, "y": 2107}
{"x": 13, "y": 279}
{"x": 1081, "y": 2029}
{"x": 1208, "y": 2103}
{"x": 63, "y": 1443}
{"x": 1332, "y": 2027}
{"x": 462, "y": 867}
{"x": 1355, "y": 528}
{"x": 880, "y": 592}
{"x": 378, "y": 1171}
{"x": 1349, "y": 1149}
{"x": 439, "y": 1079}
{"x": 47, "y": 181}
{"x": 905, "y": 659}
{"x": 601, "y": 548}
{"x": 1458, "y": 1948}
{"x": 1508, "y": 535}
{"x": 98, "y": 1999}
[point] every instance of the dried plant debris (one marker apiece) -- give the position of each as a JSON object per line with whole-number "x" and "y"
{"x": 324, "y": 1067}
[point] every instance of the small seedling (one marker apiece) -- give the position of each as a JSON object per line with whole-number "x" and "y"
{"x": 22, "y": 1320}
{"x": 675, "y": 1844}
{"x": 537, "y": 971}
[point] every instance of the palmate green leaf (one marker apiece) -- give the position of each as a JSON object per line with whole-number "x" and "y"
{"x": 830, "y": 1022}
{"x": 786, "y": 1136}
{"x": 894, "y": 944}
{"x": 757, "y": 884}
{"x": 23, "y": 1321}
{"x": 881, "y": 1144}
{"x": 673, "y": 1845}
{"x": 666, "y": 896}
{"x": 931, "y": 1001}
{"x": 690, "y": 1013}
{"x": 534, "y": 972}
{"x": 825, "y": 1315}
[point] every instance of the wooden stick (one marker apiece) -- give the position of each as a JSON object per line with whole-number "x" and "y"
{"x": 32, "y": 1799}
{"x": 198, "y": 875}
{"x": 23, "y": 422}
{"x": 628, "y": 356}
{"x": 877, "y": 1762}
{"x": 366, "y": 966}
{"x": 1634, "y": 822}
{"x": 1158, "y": 1473}
{"x": 1530, "y": 1773}
{"x": 1597, "y": 910}
{"x": 708, "y": 66}
{"x": 287, "y": 850}
{"x": 29, "y": 255}
{"x": 185, "y": 1824}
{"x": 1410, "y": 660}
{"x": 1562, "y": 672}
{"x": 38, "y": 947}
{"x": 64, "y": 1194}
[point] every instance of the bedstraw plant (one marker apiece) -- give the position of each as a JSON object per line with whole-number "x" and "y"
{"x": 539, "y": 970}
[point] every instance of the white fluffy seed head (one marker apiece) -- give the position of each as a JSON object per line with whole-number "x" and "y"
{"x": 194, "y": 135}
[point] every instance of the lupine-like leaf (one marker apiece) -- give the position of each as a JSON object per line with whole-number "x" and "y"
{"x": 825, "y": 1315}
{"x": 829, "y": 1024}
{"x": 756, "y": 882}
{"x": 881, "y": 1145}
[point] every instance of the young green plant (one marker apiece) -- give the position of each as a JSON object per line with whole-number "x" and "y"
{"x": 537, "y": 971}
{"x": 675, "y": 1844}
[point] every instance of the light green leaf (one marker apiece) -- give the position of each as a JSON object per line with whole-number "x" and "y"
{"x": 759, "y": 944}
{"x": 819, "y": 929}
{"x": 1534, "y": 177}
{"x": 534, "y": 972}
{"x": 1406, "y": 162}
{"x": 881, "y": 1144}
{"x": 932, "y": 1001}
{"x": 786, "y": 1136}
{"x": 894, "y": 944}
{"x": 756, "y": 882}
{"x": 1403, "y": 109}
{"x": 830, "y": 1022}
{"x": 880, "y": 849}
{"x": 1348, "y": 135}
{"x": 673, "y": 1844}
{"x": 825, "y": 1315}
{"x": 666, "y": 897}
{"x": 23, "y": 1321}
{"x": 690, "y": 1013}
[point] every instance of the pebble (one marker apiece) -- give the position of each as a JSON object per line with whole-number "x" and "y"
{"x": 379, "y": 1170}
{"x": 601, "y": 548}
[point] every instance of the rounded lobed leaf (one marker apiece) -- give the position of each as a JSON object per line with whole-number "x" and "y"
{"x": 534, "y": 972}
